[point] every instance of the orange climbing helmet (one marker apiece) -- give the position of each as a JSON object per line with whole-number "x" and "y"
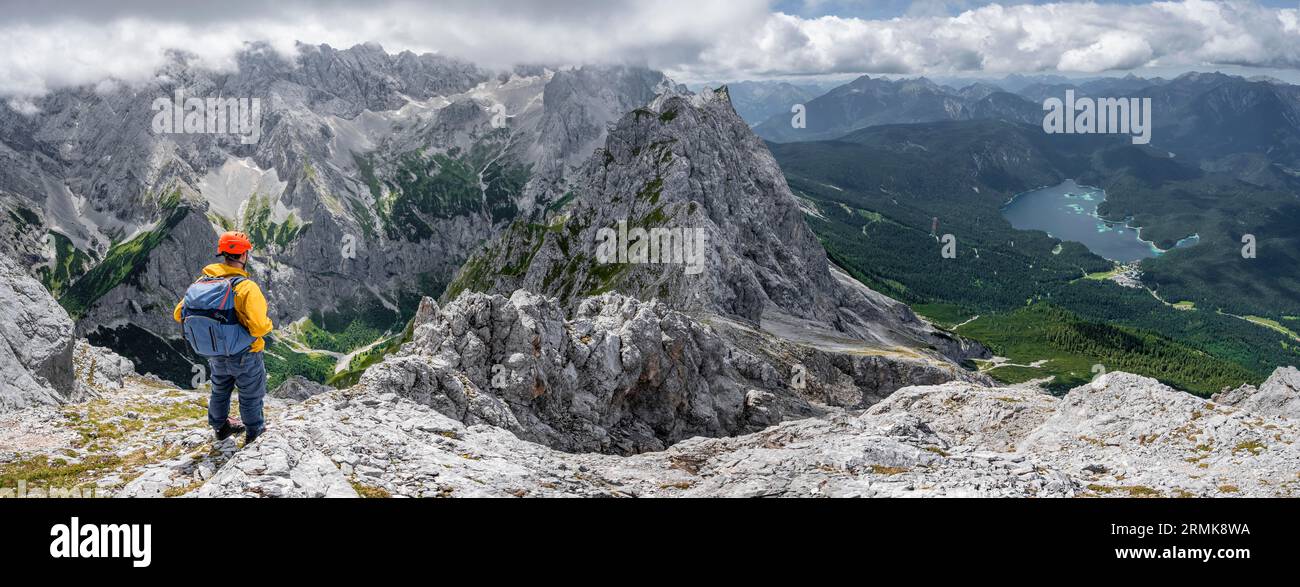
{"x": 234, "y": 243}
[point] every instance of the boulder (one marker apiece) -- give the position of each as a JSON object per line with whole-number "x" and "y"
{"x": 298, "y": 388}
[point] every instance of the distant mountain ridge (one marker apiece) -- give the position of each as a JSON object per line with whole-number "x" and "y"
{"x": 868, "y": 101}
{"x": 1246, "y": 127}
{"x": 756, "y": 101}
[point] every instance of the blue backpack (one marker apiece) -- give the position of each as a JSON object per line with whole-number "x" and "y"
{"x": 208, "y": 318}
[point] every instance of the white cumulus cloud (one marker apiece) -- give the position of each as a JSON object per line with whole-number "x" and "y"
{"x": 58, "y": 44}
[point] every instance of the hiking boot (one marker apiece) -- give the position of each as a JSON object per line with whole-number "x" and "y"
{"x": 230, "y": 428}
{"x": 250, "y": 437}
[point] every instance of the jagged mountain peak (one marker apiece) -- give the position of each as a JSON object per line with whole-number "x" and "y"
{"x": 689, "y": 167}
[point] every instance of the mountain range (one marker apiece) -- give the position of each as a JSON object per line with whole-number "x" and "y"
{"x": 376, "y": 175}
{"x": 592, "y": 281}
{"x": 1248, "y": 127}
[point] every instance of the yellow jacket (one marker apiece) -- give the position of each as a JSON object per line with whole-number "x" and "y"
{"x": 250, "y": 304}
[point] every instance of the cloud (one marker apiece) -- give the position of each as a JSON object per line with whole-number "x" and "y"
{"x": 1059, "y": 37}
{"x": 52, "y": 45}
{"x": 46, "y": 46}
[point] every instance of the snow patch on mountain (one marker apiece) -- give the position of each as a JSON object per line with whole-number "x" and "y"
{"x": 228, "y": 188}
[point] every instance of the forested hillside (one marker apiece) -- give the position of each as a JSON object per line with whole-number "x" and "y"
{"x": 875, "y": 197}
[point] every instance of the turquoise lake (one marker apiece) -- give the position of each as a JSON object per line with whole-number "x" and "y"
{"x": 1069, "y": 212}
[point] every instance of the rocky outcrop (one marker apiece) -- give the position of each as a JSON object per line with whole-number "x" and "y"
{"x": 582, "y": 102}
{"x": 298, "y": 388}
{"x": 624, "y": 376}
{"x": 840, "y": 371}
{"x": 98, "y": 369}
{"x": 992, "y": 419}
{"x": 1129, "y": 434}
{"x": 1119, "y": 436}
{"x": 36, "y": 343}
{"x": 620, "y": 376}
{"x": 337, "y": 443}
{"x": 1279, "y": 395}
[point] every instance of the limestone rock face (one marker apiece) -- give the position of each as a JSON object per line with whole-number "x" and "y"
{"x": 1138, "y": 437}
{"x": 1279, "y": 395}
{"x": 36, "y": 343}
{"x": 620, "y": 376}
{"x": 98, "y": 368}
{"x": 1120, "y": 436}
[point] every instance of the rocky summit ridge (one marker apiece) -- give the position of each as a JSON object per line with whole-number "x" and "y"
{"x": 1120, "y": 436}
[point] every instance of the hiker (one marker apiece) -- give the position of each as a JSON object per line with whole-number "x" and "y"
{"x": 223, "y": 317}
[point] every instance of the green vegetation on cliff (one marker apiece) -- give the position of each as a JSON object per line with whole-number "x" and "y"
{"x": 121, "y": 264}
{"x": 264, "y": 231}
{"x": 69, "y": 264}
{"x": 422, "y": 188}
